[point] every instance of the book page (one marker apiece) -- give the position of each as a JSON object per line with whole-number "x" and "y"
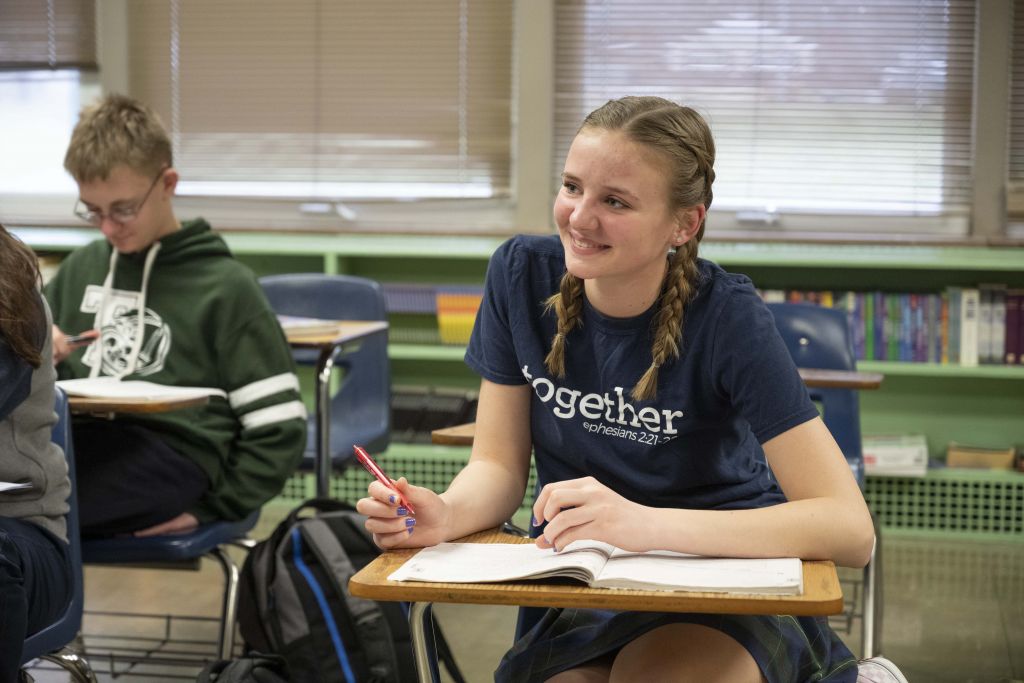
{"x": 300, "y": 325}
{"x": 495, "y": 562}
{"x": 11, "y": 486}
{"x": 113, "y": 388}
{"x": 664, "y": 570}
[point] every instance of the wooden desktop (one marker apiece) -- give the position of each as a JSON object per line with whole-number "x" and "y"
{"x": 822, "y": 594}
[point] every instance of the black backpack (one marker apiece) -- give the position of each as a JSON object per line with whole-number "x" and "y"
{"x": 253, "y": 668}
{"x": 293, "y": 601}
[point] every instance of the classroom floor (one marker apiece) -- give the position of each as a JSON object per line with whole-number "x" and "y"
{"x": 954, "y": 613}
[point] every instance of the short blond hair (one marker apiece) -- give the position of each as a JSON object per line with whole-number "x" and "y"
{"x": 114, "y": 131}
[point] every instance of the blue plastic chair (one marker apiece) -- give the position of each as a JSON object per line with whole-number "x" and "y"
{"x": 51, "y": 642}
{"x": 819, "y": 337}
{"x": 183, "y": 551}
{"x": 361, "y": 408}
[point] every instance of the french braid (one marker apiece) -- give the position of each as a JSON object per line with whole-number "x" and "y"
{"x": 568, "y": 306}
{"x": 679, "y": 288}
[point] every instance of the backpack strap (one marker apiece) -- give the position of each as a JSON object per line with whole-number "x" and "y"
{"x": 323, "y": 536}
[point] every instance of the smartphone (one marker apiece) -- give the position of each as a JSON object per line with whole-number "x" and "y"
{"x": 373, "y": 468}
{"x": 74, "y": 339}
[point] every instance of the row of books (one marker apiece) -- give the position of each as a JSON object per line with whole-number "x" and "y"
{"x": 964, "y": 326}
{"x": 959, "y": 325}
{"x": 400, "y": 297}
{"x": 454, "y": 307}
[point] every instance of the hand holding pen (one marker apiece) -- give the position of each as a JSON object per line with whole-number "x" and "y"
{"x": 373, "y": 468}
{"x": 390, "y": 512}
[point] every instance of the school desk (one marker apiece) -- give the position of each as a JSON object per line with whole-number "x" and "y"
{"x": 112, "y": 406}
{"x": 462, "y": 435}
{"x": 348, "y": 335}
{"x": 822, "y": 595}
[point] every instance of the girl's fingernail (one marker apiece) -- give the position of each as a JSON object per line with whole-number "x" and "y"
{"x": 412, "y": 529}
{"x": 533, "y": 521}
{"x": 391, "y": 499}
{"x": 410, "y": 522}
{"x": 401, "y": 511}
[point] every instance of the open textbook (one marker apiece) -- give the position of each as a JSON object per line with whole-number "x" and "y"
{"x": 601, "y": 565}
{"x": 113, "y": 388}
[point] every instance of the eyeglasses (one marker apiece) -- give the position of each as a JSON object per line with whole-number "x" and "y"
{"x": 119, "y": 214}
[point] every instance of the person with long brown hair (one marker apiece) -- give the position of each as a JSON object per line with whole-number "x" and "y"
{"x": 35, "y": 572}
{"x": 663, "y": 411}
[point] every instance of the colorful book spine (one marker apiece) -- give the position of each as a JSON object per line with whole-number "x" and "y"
{"x": 955, "y": 295}
{"x": 998, "y": 324}
{"x": 944, "y": 327}
{"x": 880, "y": 325}
{"x": 1014, "y": 327}
{"x": 969, "y": 321}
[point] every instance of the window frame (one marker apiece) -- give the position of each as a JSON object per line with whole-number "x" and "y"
{"x": 529, "y": 209}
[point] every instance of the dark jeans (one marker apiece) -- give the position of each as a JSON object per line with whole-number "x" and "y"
{"x": 35, "y": 587}
{"x": 128, "y": 479}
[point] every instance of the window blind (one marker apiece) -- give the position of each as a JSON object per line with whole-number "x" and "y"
{"x": 335, "y": 100}
{"x": 47, "y": 34}
{"x": 1016, "y": 155}
{"x": 816, "y": 106}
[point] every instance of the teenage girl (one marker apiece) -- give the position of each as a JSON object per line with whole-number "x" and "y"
{"x": 663, "y": 411}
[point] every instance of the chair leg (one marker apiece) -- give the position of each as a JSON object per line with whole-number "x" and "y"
{"x": 871, "y": 621}
{"x": 228, "y": 615}
{"x": 72, "y": 662}
{"x": 420, "y": 620}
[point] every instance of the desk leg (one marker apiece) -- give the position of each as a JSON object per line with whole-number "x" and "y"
{"x": 420, "y": 620}
{"x": 324, "y": 365}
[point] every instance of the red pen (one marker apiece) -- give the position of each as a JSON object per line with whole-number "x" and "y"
{"x": 373, "y": 468}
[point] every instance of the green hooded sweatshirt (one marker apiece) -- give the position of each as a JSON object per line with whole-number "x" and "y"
{"x": 205, "y": 323}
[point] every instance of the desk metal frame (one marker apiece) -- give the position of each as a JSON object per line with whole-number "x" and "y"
{"x": 349, "y": 335}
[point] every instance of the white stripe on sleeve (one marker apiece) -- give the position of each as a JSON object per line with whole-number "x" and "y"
{"x": 261, "y": 388}
{"x": 273, "y": 414}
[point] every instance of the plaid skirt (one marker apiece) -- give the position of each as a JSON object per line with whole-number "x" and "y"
{"x": 787, "y": 649}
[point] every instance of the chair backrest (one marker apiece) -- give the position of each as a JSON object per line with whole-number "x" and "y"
{"x": 361, "y": 409}
{"x": 820, "y": 337}
{"x": 63, "y": 631}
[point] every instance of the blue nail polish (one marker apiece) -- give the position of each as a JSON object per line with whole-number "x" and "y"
{"x": 533, "y": 521}
{"x": 410, "y": 522}
{"x": 391, "y": 499}
{"x": 401, "y": 511}
{"x": 412, "y": 529}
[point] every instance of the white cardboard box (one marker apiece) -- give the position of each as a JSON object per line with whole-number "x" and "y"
{"x": 895, "y": 455}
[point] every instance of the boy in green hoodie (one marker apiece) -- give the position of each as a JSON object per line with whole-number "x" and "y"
{"x": 167, "y": 303}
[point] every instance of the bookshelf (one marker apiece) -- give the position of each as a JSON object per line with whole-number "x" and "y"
{"x": 979, "y": 405}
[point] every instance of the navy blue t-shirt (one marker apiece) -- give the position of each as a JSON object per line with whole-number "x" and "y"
{"x": 698, "y": 443}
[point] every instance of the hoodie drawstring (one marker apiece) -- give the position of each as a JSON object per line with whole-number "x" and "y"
{"x": 140, "y": 323}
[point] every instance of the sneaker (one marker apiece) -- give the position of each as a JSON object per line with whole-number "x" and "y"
{"x": 879, "y": 670}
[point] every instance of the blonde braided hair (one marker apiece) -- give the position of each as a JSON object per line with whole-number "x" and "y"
{"x": 568, "y": 306}
{"x": 682, "y": 135}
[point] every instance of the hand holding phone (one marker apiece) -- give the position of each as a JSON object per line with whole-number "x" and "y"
{"x": 373, "y": 468}
{"x": 81, "y": 339}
